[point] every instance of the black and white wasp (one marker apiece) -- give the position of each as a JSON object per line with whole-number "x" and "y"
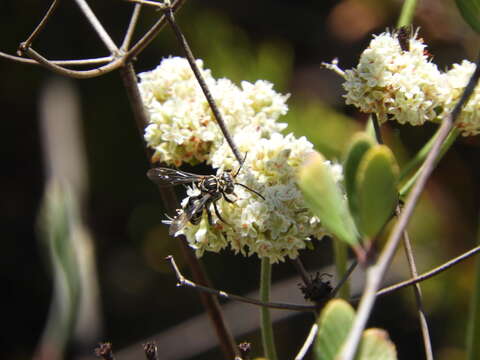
{"x": 212, "y": 188}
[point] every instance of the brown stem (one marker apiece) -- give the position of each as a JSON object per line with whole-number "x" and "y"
{"x": 39, "y": 28}
{"x": 213, "y": 106}
{"x": 417, "y": 291}
{"x": 210, "y": 302}
{"x": 182, "y": 281}
{"x": 429, "y": 274}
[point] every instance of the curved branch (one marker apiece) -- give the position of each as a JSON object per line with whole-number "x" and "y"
{"x": 40, "y": 26}
{"x": 77, "y": 74}
{"x": 79, "y": 62}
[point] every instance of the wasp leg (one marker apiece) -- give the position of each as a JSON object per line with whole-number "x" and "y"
{"x": 209, "y": 214}
{"x": 227, "y": 199}
{"x": 218, "y": 213}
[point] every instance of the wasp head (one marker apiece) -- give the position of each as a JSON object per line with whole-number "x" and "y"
{"x": 228, "y": 183}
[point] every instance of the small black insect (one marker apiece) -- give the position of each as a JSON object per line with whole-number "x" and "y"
{"x": 318, "y": 290}
{"x": 403, "y": 35}
{"x": 212, "y": 188}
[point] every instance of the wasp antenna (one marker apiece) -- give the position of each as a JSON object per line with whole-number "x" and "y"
{"x": 253, "y": 191}
{"x": 240, "y": 167}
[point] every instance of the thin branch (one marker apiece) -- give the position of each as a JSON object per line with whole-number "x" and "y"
{"x": 97, "y": 26}
{"x": 79, "y": 62}
{"x": 131, "y": 28}
{"x": 27, "y": 43}
{"x": 429, "y": 274}
{"x": 412, "y": 266}
{"x": 297, "y": 263}
{"x": 345, "y": 277}
{"x": 77, "y": 74}
{"x": 376, "y": 127}
{"x": 129, "y": 79}
{"x": 376, "y": 273}
{"x": 182, "y": 281}
{"x": 417, "y": 290}
{"x": 151, "y": 3}
{"x": 191, "y": 59}
{"x": 308, "y": 342}
{"x": 151, "y": 34}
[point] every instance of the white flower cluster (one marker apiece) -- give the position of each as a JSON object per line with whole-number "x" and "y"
{"x": 182, "y": 127}
{"x": 407, "y": 87}
{"x": 275, "y": 227}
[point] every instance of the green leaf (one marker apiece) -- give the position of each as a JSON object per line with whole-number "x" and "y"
{"x": 376, "y": 345}
{"x": 470, "y": 10}
{"x": 360, "y": 144}
{"x": 376, "y": 187}
{"x": 325, "y": 198}
{"x": 334, "y": 324}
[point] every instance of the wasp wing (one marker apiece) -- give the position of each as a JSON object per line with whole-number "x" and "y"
{"x": 167, "y": 177}
{"x": 184, "y": 217}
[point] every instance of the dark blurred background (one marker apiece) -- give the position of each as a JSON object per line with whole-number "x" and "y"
{"x": 281, "y": 41}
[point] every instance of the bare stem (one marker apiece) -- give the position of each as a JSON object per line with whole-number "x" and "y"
{"x": 301, "y": 270}
{"x": 413, "y": 268}
{"x": 213, "y": 106}
{"x": 429, "y": 274}
{"x": 85, "y": 74}
{"x": 417, "y": 290}
{"x": 308, "y": 342}
{"x": 79, "y": 62}
{"x": 345, "y": 277}
{"x": 184, "y": 282}
{"x": 97, "y": 26}
{"x": 376, "y": 128}
{"x": 376, "y": 273}
{"x": 131, "y": 27}
{"x": 39, "y": 28}
{"x": 210, "y": 302}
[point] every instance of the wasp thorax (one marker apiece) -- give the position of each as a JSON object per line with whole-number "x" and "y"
{"x": 209, "y": 185}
